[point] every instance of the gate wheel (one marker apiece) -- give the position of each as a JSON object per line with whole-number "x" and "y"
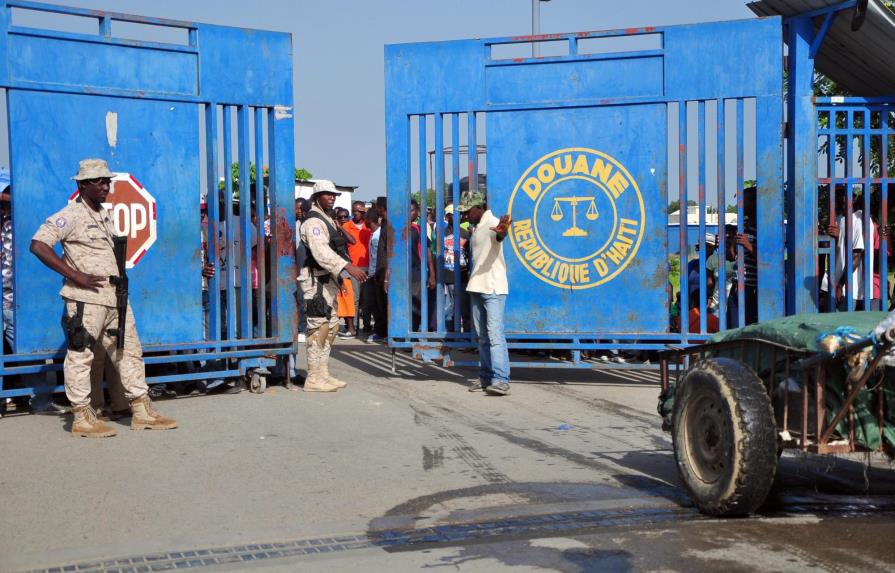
{"x": 257, "y": 383}
{"x": 725, "y": 439}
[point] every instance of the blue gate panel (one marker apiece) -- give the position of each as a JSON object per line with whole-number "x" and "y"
{"x": 420, "y": 73}
{"x": 589, "y": 226}
{"x": 724, "y": 59}
{"x": 142, "y": 105}
{"x": 50, "y": 133}
{"x": 249, "y": 77}
{"x": 42, "y": 60}
{"x": 574, "y": 81}
{"x": 579, "y": 150}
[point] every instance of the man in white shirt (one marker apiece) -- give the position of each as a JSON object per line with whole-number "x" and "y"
{"x": 837, "y": 231}
{"x": 488, "y": 291}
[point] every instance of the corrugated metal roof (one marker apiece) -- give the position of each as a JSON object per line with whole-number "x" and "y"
{"x": 862, "y": 61}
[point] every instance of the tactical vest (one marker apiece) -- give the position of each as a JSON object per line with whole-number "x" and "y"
{"x": 337, "y": 242}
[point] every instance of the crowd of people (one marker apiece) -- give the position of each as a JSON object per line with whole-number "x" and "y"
{"x": 342, "y": 290}
{"x": 849, "y": 239}
{"x": 343, "y": 284}
{"x": 361, "y": 239}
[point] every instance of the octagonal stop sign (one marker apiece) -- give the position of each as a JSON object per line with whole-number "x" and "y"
{"x": 133, "y": 212}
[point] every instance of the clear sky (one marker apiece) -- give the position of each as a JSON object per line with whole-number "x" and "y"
{"x": 339, "y": 97}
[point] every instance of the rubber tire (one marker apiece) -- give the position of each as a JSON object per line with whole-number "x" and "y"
{"x": 257, "y": 384}
{"x": 724, "y": 402}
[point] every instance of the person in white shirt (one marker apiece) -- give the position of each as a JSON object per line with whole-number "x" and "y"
{"x": 856, "y": 244}
{"x": 488, "y": 290}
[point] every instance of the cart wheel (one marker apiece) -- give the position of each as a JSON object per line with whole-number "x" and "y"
{"x": 257, "y": 383}
{"x": 725, "y": 440}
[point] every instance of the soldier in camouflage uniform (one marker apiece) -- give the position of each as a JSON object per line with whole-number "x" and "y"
{"x": 326, "y": 244}
{"x": 85, "y": 230}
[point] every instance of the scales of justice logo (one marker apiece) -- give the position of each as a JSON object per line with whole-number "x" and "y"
{"x": 578, "y": 218}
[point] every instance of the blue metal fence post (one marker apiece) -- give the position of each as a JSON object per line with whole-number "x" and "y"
{"x": 231, "y": 254}
{"x": 701, "y": 178}
{"x": 770, "y": 238}
{"x": 884, "y": 212}
{"x": 245, "y": 220}
{"x": 281, "y": 142}
{"x": 263, "y": 212}
{"x": 741, "y": 218}
{"x": 397, "y": 145}
{"x": 721, "y": 283}
{"x": 212, "y": 229}
{"x": 682, "y": 220}
{"x": 801, "y": 190}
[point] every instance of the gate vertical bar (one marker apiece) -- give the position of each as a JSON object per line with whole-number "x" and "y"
{"x": 263, "y": 214}
{"x": 212, "y": 229}
{"x": 884, "y": 210}
{"x": 245, "y": 219}
{"x": 424, "y": 192}
{"x": 721, "y": 283}
{"x": 439, "y": 220}
{"x": 869, "y": 236}
{"x": 396, "y": 233}
{"x": 682, "y": 201}
{"x": 801, "y": 191}
{"x": 472, "y": 158}
{"x": 849, "y": 214}
{"x": 281, "y": 191}
{"x": 230, "y": 316}
{"x": 703, "y": 292}
{"x": 832, "y": 153}
{"x": 424, "y": 226}
{"x": 770, "y": 212}
{"x": 741, "y": 256}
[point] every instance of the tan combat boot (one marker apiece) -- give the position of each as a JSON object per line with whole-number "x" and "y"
{"x": 86, "y": 425}
{"x": 332, "y": 380}
{"x": 316, "y": 381}
{"x": 146, "y": 418}
{"x": 324, "y": 362}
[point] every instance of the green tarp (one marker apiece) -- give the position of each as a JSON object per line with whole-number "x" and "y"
{"x": 801, "y": 332}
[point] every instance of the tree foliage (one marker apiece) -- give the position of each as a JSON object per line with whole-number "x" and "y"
{"x": 676, "y": 205}
{"x": 430, "y": 197}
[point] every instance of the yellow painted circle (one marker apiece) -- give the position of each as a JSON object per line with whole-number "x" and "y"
{"x": 531, "y": 206}
{"x": 602, "y": 248}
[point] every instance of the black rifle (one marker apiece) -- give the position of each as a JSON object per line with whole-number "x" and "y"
{"x": 119, "y": 246}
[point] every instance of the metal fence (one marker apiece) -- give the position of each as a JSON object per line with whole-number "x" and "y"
{"x": 657, "y": 118}
{"x": 856, "y": 140}
{"x": 175, "y": 109}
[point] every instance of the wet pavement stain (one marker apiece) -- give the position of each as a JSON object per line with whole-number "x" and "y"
{"x": 432, "y": 458}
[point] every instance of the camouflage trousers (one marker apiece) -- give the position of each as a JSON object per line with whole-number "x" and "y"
{"x": 103, "y": 369}
{"x": 128, "y": 361}
{"x": 322, "y": 330}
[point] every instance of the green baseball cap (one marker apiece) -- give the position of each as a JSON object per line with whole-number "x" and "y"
{"x": 471, "y": 199}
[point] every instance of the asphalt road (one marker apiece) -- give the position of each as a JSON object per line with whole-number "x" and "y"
{"x": 571, "y": 472}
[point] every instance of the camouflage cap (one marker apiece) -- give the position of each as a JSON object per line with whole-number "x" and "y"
{"x": 324, "y": 186}
{"x": 469, "y": 200}
{"x": 93, "y": 169}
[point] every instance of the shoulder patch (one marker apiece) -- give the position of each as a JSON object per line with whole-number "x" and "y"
{"x": 61, "y": 222}
{"x": 316, "y": 231}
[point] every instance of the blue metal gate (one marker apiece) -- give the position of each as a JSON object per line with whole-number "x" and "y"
{"x": 588, "y": 150}
{"x": 168, "y": 113}
{"x": 855, "y": 142}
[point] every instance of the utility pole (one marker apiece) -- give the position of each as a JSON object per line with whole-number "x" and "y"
{"x": 536, "y": 24}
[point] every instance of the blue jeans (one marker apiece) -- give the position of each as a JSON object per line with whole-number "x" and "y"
{"x": 487, "y": 319}
{"x": 43, "y": 388}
